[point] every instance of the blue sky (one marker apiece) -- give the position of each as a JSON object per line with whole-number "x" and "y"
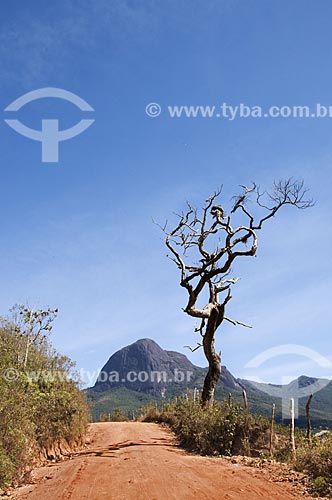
{"x": 78, "y": 234}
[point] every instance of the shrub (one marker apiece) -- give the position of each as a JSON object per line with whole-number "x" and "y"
{"x": 35, "y": 411}
{"x": 115, "y": 416}
{"x": 322, "y": 486}
{"x": 220, "y": 430}
{"x": 315, "y": 459}
{"x": 150, "y": 414}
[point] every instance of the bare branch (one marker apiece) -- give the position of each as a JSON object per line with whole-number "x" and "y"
{"x": 195, "y": 348}
{"x": 235, "y": 322}
{"x": 204, "y": 245}
{"x": 241, "y": 199}
{"x": 284, "y": 192}
{"x": 201, "y": 328}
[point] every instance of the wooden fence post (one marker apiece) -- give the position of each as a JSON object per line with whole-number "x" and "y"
{"x": 292, "y": 427}
{"x": 272, "y": 429}
{"x": 307, "y": 410}
{"x": 245, "y": 400}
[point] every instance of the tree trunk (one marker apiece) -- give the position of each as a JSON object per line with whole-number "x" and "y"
{"x": 213, "y": 358}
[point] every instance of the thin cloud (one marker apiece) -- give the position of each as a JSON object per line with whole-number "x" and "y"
{"x": 34, "y": 48}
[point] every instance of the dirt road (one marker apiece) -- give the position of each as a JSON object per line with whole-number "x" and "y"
{"x": 136, "y": 461}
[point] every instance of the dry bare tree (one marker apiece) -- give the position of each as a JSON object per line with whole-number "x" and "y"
{"x": 204, "y": 245}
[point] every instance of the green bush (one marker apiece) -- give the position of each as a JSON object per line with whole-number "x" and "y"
{"x": 315, "y": 459}
{"x": 42, "y": 404}
{"x": 115, "y": 416}
{"x": 322, "y": 486}
{"x": 150, "y": 414}
{"x": 223, "y": 429}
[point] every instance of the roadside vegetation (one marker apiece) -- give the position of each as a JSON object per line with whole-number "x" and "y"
{"x": 315, "y": 459}
{"x": 227, "y": 429}
{"x": 41, "y": 405}
{"x": 222, "y": 429}
{"x": 115, "y": 416}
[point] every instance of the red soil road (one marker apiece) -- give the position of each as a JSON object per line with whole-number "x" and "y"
{"x": 136, "y": 461}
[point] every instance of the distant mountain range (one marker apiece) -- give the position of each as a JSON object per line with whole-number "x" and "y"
{"x": 143, "y": 373}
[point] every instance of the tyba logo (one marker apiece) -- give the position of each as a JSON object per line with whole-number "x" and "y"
{"x": 50, "y": 136}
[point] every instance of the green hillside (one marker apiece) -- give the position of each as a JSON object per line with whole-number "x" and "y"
{"x": 146, "y": 355}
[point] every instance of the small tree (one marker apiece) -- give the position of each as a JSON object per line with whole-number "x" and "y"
{"x": 33, "y": 325}
{"x": 204, "y": 245}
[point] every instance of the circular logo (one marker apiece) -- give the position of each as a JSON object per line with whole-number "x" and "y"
{"x": 10, "y": 374}
{"x": 153, "y": 109}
